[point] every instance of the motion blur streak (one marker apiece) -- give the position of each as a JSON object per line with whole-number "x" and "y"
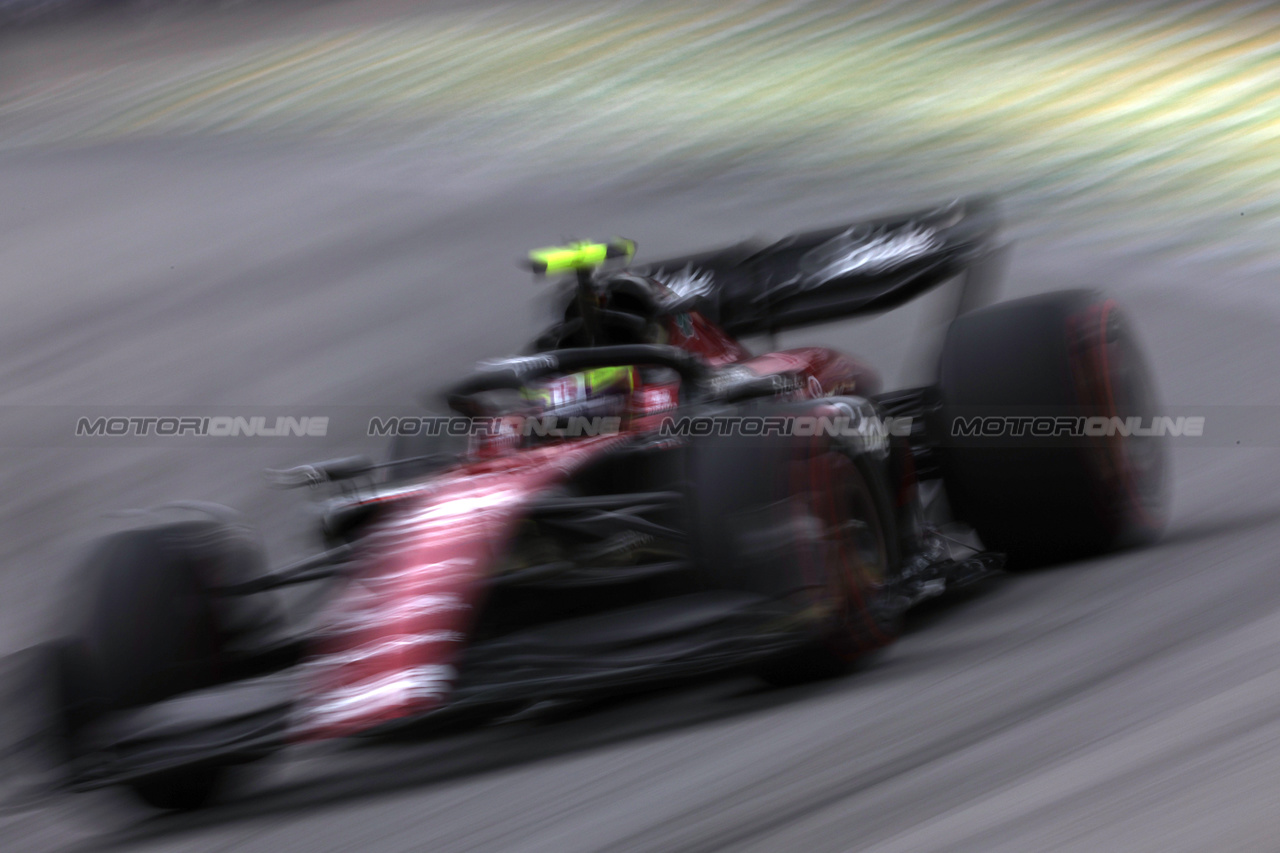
{"x": 290, "y": 204}
{"x": 1109, "y": 110}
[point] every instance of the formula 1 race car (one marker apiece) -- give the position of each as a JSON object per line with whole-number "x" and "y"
{"x": 635, "y": 499}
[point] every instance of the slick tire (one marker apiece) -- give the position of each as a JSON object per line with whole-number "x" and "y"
{"x": 147, "y": 627}
{"x": 1058, "y": 358}
{"x": 805, "y": 521}
{"x": 855, "y": 556}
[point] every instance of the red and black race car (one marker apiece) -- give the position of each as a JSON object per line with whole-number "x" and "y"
{"x": 638, "y": 499}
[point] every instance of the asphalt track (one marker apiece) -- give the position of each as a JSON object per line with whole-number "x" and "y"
{"x": 1126, "y": 703}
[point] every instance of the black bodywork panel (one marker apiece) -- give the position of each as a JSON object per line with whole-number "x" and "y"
{"x": 832, "y": 273}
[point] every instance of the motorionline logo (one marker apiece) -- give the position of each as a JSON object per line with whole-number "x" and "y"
{"x": 803, "y": 426}
{"x": 216, "y": 425}
{"x": 575, "y": 426}
{"x": 558, "y": 426}
{"x": 1058, "y": 426}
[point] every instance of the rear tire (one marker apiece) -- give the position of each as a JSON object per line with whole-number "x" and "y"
{"x": 1047, "y": 499}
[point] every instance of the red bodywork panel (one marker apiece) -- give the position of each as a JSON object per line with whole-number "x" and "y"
{"x": 391, "y": 638}
{"x": 392, "y": 635}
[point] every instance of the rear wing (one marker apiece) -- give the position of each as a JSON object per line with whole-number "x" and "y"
{"x": 849, "y": 270}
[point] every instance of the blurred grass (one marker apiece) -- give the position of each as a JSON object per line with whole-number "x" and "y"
{"x": 1130, "y": 115}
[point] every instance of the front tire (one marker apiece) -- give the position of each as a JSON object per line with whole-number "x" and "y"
{"x": 807, "y": 522}
{"x": 186, "y": 789}
{"x": 148, "y": 626}
{"x": 853, "y": 552}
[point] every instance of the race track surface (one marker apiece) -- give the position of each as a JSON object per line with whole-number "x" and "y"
{"x": 1126, "y": 703}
